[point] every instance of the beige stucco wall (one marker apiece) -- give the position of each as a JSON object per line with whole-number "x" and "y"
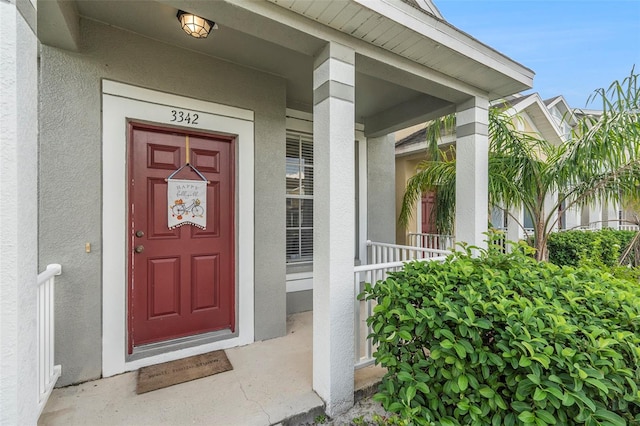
{"x": 405, "y": 169}
{"x": 70, "y": 172}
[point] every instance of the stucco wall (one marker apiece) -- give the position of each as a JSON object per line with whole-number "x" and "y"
{"x": 70, "y": 146}
{"x": 299, "y": 301}
{"x": 405, "y": 169}
{"x": 18, "y": 216}
{"x": 381, "y": 220}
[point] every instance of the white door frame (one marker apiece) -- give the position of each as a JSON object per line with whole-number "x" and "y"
{"x": 121, "y": 103}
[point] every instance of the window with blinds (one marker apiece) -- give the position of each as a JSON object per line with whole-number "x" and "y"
{"x": 299, "y": 176}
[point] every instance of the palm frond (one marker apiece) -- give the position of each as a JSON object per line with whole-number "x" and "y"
{"x": 439, "y": 175}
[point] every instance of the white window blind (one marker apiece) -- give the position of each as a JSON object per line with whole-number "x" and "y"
{"x": 299, "y": 198}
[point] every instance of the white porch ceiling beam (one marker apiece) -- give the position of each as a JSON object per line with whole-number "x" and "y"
{"x": 59, "y": 24}
{"x": 407, "y": 114}
{"x": 401, "y": 74}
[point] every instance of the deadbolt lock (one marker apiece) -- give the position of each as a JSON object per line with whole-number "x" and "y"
{"x": 139, "y": 234}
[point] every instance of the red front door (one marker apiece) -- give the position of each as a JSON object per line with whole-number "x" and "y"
{"x": 181, "y": 281}
{"x": 428, "y": 212}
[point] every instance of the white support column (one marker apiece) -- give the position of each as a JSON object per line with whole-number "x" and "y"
{"x": 333, "y": 221}
{"x": 551, "y": 208}
{"x": 595, "y": 215}
{"x": 573, "y": 217}
{"x": 515, "y": 221}
{"x": 472, "y": 180}
{"x": 610, "y": 214}
{"x": 381, "y": 179}
{"x": 19, "y": 215}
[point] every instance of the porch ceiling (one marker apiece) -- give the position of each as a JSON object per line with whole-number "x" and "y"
{"x": 281, "y": 39}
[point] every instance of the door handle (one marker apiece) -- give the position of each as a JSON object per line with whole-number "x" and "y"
{"x": 139, "y": 249}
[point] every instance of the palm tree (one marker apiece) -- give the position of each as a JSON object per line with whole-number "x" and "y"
{"x": 601, "y": 162}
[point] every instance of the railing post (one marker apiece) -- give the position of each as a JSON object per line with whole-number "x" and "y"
{"x": 372, "y": 274}
{"x": 356, "y": 311}
{"x": 48, "y": 373}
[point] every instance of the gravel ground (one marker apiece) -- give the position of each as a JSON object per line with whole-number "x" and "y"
{"x": 365, "y": 408}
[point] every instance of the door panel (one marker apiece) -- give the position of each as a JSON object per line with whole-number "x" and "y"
{"x": 181, "y": 281}
{"x": 427, "y": 207}
{"x": 156, "y": 211}
{"x": 205, "y": 269}
{"x": 164, "y": 294}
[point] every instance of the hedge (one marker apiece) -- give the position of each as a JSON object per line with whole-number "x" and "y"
{"x": 500, "y": 339}
{"x": 592, "y": 248}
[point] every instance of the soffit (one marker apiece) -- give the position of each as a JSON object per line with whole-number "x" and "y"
{"x": 420, "y": 37}
{"x": 282, "y": 41}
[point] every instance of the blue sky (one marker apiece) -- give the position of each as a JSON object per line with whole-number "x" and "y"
{"x": 573, "y": 46}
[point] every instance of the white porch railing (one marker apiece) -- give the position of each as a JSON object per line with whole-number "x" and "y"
{"x": 628, "y": 227}
{"x": 384, "y": 258}
{"x": 432, "y": 241}
{"x": 386, "y": 253}
{"x": 47, "y": 372}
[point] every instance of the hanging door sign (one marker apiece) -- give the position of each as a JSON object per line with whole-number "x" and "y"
{"x": 187, "y": 201}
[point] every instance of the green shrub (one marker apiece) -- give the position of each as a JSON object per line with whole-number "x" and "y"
{"x": 500, "y": 339}
{"x": 588, "y": 248}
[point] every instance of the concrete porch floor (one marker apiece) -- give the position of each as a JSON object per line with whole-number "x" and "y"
{"x": 271, "y": 382}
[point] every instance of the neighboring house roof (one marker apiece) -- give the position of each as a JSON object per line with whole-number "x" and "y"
{"x": 426, "y": 6}
{"x": 413, "y": 138}
{"x": 417, "y": 141}
{"x": 531, "y": 108}
{"x": 562, "y": 105}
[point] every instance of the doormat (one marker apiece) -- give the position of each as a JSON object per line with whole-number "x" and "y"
{"x": 183, "y": 370}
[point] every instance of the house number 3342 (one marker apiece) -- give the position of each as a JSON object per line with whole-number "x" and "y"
{"x": 184, "y": 117}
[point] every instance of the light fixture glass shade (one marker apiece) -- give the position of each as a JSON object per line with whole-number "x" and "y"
{"x": 194, "y": 25}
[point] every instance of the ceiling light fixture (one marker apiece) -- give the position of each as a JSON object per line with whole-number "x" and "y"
{"x": 194, "y": 25}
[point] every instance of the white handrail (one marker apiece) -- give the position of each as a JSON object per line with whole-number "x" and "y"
{"x": 48, "y": 373}
{"x": 364, "y": 309}
{"x": 435, "y": 241}
{"x": 51, "y": 271}
{"x": 385, "y": 253}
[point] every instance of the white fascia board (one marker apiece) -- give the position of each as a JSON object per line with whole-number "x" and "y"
{"x": 561, "y": 101}
{"x": 447, "y": 35}
{"x": 522, "y": 105}
{"x": 554, "y": 101}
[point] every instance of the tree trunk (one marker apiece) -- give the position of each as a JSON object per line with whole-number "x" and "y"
{"x": 540, "y": 242}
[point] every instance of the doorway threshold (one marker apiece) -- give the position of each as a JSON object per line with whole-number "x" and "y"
{"x": 152, "y": 349}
